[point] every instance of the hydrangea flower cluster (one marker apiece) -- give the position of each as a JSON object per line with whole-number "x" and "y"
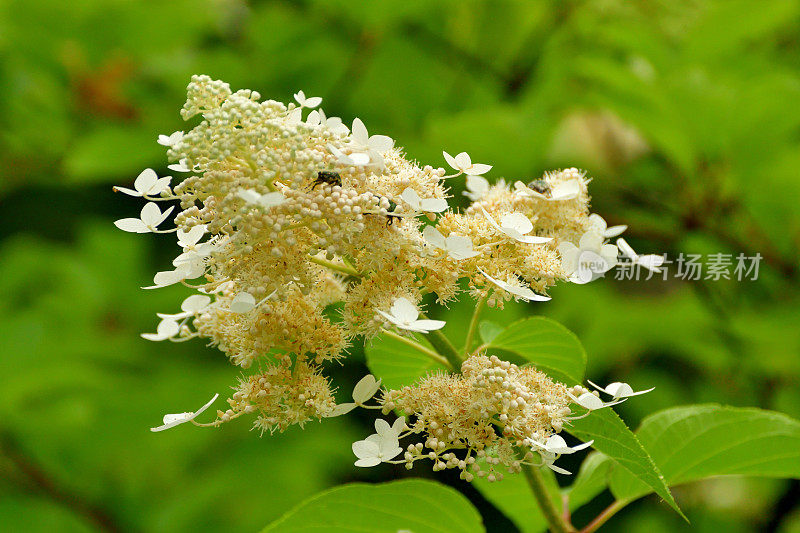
{"x": 284, "y": 212}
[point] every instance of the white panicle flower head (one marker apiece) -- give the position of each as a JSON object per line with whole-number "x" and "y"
{"x": 589, "y": 260}
{"x": 151, "y": 216}
{"x": 519, "y": 292}
{"x": 170, "y": 140}
{"x": 172, "y": 420}
{"x": 599, "y": 225}
{"x": 477, "y": 187}
{"x": 619, "y": 390}
{"x": 404, "y": 315}
{"x": 516, "y": 226}
{"x": 191, "y": 306}
{"x": 651, "y": 262}
{"x": 167, "y": 328}
{"x": 147, "y": 184}
{"x": 430, "y": 205}
{"x": 464, "y": 165}
{"x": 457, "y": 247}
{"x": 311, "y": 102}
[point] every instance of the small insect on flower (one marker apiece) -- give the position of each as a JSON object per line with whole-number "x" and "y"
{"x": 329, "y": 177}
{"x": 390, "y": 215}
{"x": 539, "y": 186}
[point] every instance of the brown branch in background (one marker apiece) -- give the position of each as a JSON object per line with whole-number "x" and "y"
{"x": 38, "y": 480}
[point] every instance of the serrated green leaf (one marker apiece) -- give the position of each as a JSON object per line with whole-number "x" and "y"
{"x": 592, "y": 479}
{"x": 410, "y": 505}
{"x": 698, "y": 441}
{"x": 613, "y": 438}
{"x": 544, "y": 343}
{"x": 398, "y": 364}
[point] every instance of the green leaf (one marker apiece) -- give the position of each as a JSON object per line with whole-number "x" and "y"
{"x": 544, "y": 343}
{"x": 489, "y": 330}
{"x": 397, "y": 363}
{"x": 592, "y": 479}
{"x": 514, "y": 498}
{"x": 410, "y": 505}
{"x": 613, "y": 438}
{"x": 698, "y": 441}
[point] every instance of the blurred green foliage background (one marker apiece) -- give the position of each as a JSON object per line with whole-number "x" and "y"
{"x": 684, "y": 111}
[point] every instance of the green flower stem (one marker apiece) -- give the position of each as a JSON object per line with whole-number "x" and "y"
{"x": 473, "y": 324}
{"x": 551, "y": 514}
{"x": 419, "y": 347}
{"x": 603, "y": 517}
{"x": 444, "y": 347}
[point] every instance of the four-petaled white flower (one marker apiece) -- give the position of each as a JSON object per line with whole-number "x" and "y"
{"x": 599, "y": 225}
{"x": 172, "y": 420}
{"x": 190, "y": 306}
{"x": 150, "y": 217}
{"x": 517, "y": 226}
{"x": 362, "y": 392}
{"x": 243, "y": 302}
{"x": 362, "y": 144}
{"x": 310, "y": 102}
{"x": 167, "y": 328}
{"x": 589, "y": 260}
{"x": 464, "y": 165}
{"x": 651, "y": 262}
{"x": 404, "y": 314}
{"x": 375, "y": 450}
{"x": 335, "y": 124}
{"x": 146, "y": 184}
{"x": 170, "y": 140}
{"x": 566, "y": 190}
{"x": 589, "y": 401}
{"x": 555, "y": 446}
{"x": 477, "y": 187}
{"x": 458, "y": 247}
{"x": 188, "y": 239}
{"x": 266, "y": 200}
{"x": 520, "y": 292}
{"x": 619, "y": 390}
{"x": 430, "y": 205}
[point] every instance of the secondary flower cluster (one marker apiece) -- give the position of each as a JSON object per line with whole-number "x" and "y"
{"x": 284, "y": 212}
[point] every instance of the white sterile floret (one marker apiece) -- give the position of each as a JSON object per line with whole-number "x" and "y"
{"x": 651, "y": 262}
{"x": 188, "y": 239}
{"x": 364, "y": 390}
{"x": 373, "y": 146}
{"x": 375, "y": 450}
{"x": 589, "y": 260}
{"x": 565, "y": 190}
{"x": 464, "y": 165}
{"x": 477, "y": 187}
{"x": 430, "y": 205}
{"x": 147, "y": 184}
{"x": 181, "y": 166}
{"x": 516, "y": 226}
{"x": 556, "y": 444}
{"x": 167, "y": 328}
{"x": 267, "y": 200}
{"x": 520, "y": 292}
{"x": 170, "y": 140}
{"x": 599, "y": 225}
{"x": 334, "y": 124}
{"x": 191, "y": 306}
{"x": 619, "y": 390}
{"x": 458, "y": 247}
{"x": 386, "y": 431}
{"x": 404, "y": 314}
{"x": 312, "y": 101}
{"x": 243, "y": 302}
{"x": 172, "y": 420}
{"x": 589, "y": 401}
{"x": 148, "y": 221}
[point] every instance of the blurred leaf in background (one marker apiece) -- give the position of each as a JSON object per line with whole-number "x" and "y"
{"x": 683, "y": 112}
